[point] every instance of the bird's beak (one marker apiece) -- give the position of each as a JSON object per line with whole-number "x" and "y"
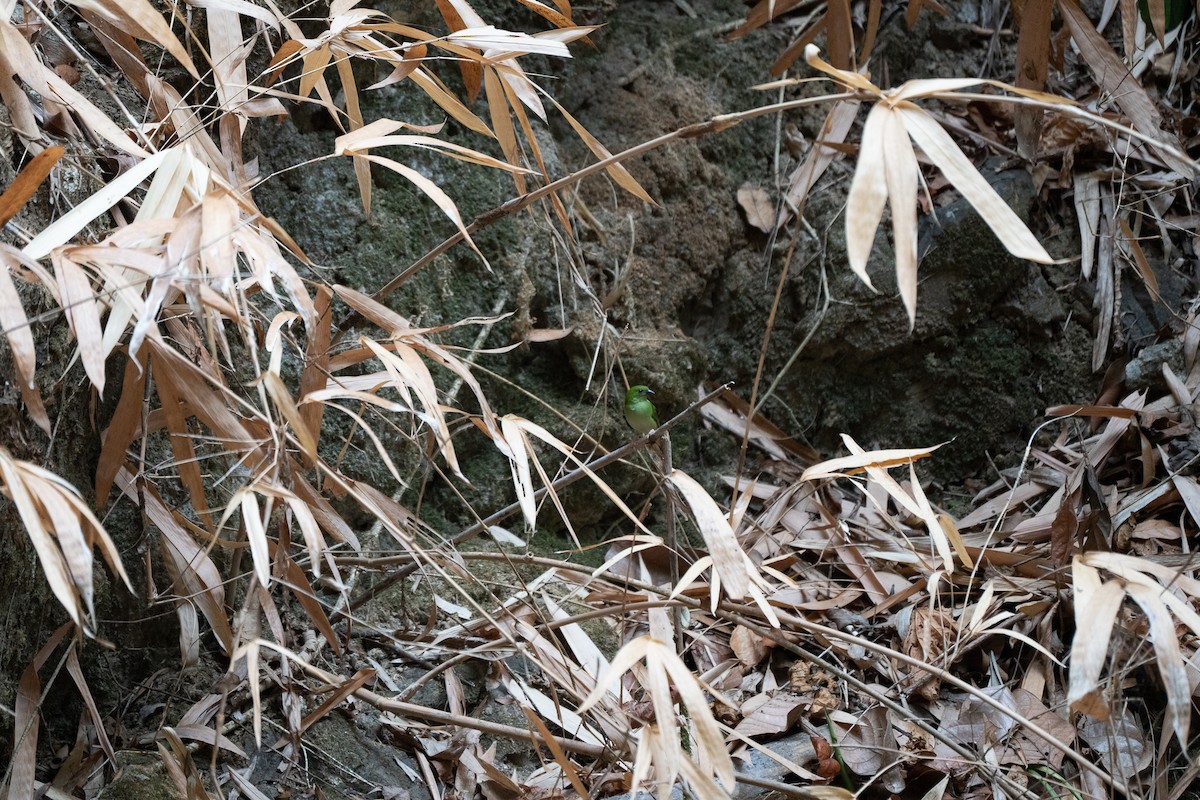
{"x": 649, "y": 390}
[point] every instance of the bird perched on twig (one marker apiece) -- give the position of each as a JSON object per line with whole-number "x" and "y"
{"x": 640, "y": 413}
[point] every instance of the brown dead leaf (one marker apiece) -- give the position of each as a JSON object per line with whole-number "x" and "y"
{"x": 747, "y": 646}
{"x": 27, "y": 182}
{"x": 776, "y": 714}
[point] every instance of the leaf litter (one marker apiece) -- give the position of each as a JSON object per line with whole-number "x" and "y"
{"x": 983, "y": 652}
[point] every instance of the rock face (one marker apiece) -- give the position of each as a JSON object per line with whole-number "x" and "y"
{"x": 996, "y": 339}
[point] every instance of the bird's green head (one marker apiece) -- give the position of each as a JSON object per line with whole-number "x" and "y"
{"x": 638, "y": 393}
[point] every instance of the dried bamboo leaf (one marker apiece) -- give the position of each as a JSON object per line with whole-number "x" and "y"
{"x": 839, "y": 34}
{"x": 189, "y": 566}
{"x": 49, "y": 555}
{"x": 617, "y": 172}
{"x": 68, "y": 533}
{"x": 518, "y": 461}
{"x": 501, "y": 117}
{"x": 868, "y": 193}
{"x": 80, "y": 308}
{"x": 26, "y": 719}
{"x": 26, "y": 63}
{"x": 298, "y": 583}
{"x": 729, "y": 561}
{"x": 1087, "y": 210}
{"x": 941, "y": 149}
{"x": 822, "y": 153}
{"x": 449, "y": 103}
{"x": 15, "y": 323}
{"x": 27, "y": 182}
{"x": 901, "y": 171}
{"x": 1170, "y": 660}
{"x": 139, "y": 18}
{"x": 1096, "y": 607}
{"x": 68, "y": 225}
{"x": 326, "y": 516}
{"x": 501, "y": 44}
{"x": 849, "y": 465}
{"x": 1113, "y": 76}
{"x": 432, "y": 191}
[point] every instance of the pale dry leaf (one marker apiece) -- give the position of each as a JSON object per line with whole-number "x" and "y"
{"x": 80, "y": 307}
{"x": 729, "y": 561}
{"x": 15, "y": 323}
{"x": 1087, "y": 210}
{"x": 777, "y": 715}
{"x": 869, "y": 744}
{"x": 1167, "y": 653}
{"x": 541, "y": 433}
{"x": 50, "y": 557}
{"x": 195, "y": 575}
{"x": 26, "y": 63}
{"x": 1004, "y": 222}
{"x": 822, "y": 153}
{"x": 868, "y": 193}
{"x": 849, "y": 465}
{"x": 139, "y": 18}
{"x": 901, "y": 171}
{"x": 1113, "y": 76}
{"x": 756, "y": 205}
{"x": 747, "y": 645}
{"x": 1096, "y": 608}
{"x": 68, "y": 225}
{"x": 567, "y": 720}
{"x": 1119, "y": 743}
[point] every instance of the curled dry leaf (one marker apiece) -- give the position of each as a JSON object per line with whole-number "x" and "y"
{"x": 748, "y": 646}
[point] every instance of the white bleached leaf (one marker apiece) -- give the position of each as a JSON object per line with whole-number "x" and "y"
{"x": 941, "y": 149}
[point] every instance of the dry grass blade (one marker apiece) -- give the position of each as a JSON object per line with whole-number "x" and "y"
{"x": 1087, "y": 209}
{"x": 519, "y": 465}
{"x": 659, "y": 744}
{"x": 409, "y": 374}
{"x": 79, "y": 305}
{"x": 538, "y": 431}
{"x": 16, "y": 324}
{"x": 181, "y": 767}
{"x": 246, "y": 501}
{"x": 616, "y": 171}
{"x": 26, "y": 63}
{"x": 1167, "y": 653}
{"x": 822, "y": 153}
{"x": 196, "y": 578}
{"x": 26, "y": 721}
{"x": 56, "y": 520}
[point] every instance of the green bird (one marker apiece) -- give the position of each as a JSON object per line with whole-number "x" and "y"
{"x": 640, "y": 413}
